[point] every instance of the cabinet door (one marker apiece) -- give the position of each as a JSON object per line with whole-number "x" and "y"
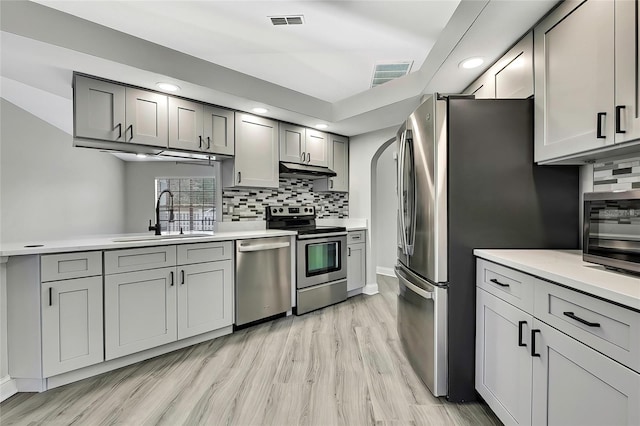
{"x": 483, "y": 87}
{"x": 339, "y": 156}
{"x": 292, "y": 143}
{"x": 219, "y": 131}
{"x": 574, "y": 72}
{"x": 256, "y": 161}
{"x": 205, "y": 297}
{"x": 514, "y": 71}
{"x": 186, "y": 125}
{"x": 356, "y": 266}
{"x": 98, "y": 109}
{"x": 575, "y": 385}
{"x": 316, "y": 148}
{"x": 627, "y": 95}
{"x": 140, "y": 311}
{"x": 503, "y": 366}
{"x": 72, "y": 335}
{"x": 147, "y": 118}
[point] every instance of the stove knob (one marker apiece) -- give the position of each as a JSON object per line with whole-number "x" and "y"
{"x": 280, "y": 209}
{"x": 274, "y": 210}
{"x": 306, "y": 209}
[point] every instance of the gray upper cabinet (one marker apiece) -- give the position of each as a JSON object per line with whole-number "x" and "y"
{"x": 219, "y": 130}
{"x": 256, "y": 161}
{"x": 292, "y": 140}
{"x": 197, "y": 127}
{"x": 586, "y": 56}
{"x": 98, "y": 109}
{"x": 338, "y": 148}
{"x": 146, "y": 117}
{"x": 510, "y": 77}
{"x": 303, "y": 146}
{"x": 316, "y": 148}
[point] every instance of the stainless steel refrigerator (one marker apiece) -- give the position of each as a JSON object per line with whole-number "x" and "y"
{"x": 466, "y": 180}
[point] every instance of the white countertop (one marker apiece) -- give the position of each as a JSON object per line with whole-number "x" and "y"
{"x": 566, "y": 267}
{"x": 352, "y": 224}
{"x": 106, "y": 242}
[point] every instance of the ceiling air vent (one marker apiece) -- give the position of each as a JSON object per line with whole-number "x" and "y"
{"x": 390, "y": 71}
{"x": 287, "y": 20}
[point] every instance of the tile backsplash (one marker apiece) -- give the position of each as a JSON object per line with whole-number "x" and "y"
{"x": 617, "y": 174}
{"x": 249, "y": 203}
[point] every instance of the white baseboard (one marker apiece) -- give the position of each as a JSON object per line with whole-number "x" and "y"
{"x": 8, "y": 388}
{"x": 385, "y": 271}
{"x": 370, "y": 289}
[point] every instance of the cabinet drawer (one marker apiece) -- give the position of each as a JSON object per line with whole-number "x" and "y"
{"x": 55, "y": 267}
{"x": 608, "y": 328}
{"x": 355, "y": 237}
{"x": 511, "y": 286}
{"x": 119, "y": 261}
{"x": 204, "y": 252}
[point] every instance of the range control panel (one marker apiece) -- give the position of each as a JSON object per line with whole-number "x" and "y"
{"x": 291, "y": 211}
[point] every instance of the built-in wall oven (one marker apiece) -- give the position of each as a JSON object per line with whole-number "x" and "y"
{"x": 612, "y": 229}
{"x": 321, "y": 257}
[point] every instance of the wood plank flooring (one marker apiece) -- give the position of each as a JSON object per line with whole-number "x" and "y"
{"x": 342, "y": 365}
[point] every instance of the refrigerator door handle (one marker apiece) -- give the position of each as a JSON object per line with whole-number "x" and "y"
{"x": 411, "y": 231}
{"x": 414, "y": 288}
{"x": 401, "y": 193}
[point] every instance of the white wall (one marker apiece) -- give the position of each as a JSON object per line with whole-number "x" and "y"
{"x": 362, "y": 151}
{"x": 386, "y": 229}
{"x": 50, "y": 189}
{"x": 140, "y": 194}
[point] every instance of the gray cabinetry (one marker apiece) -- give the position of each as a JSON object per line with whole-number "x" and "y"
{"x": 146, "y": 117}
{"x": 482, "y": 88}
{"x": 559, "y": 358}
{"x": 292, "y": 140}
{"x": 98, "y": 109}
{"x": 587, "y": 81}
{"x": 356, "y": 260}
{"x": 338, "y": 147}
{"x": 316, "y": 148}
{"x": 197, "y": 127}
{"x": 256, "y": 160}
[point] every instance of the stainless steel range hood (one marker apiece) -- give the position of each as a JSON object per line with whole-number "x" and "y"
{"x": 304, "y": 171}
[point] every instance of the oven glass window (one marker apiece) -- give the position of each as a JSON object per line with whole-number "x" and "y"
{"x": 323, "y": 258}
{"x": 614, "y": 229}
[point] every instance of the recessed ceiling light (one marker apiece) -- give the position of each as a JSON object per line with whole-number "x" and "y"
{"x": 260, "y": 110}
{"x": 141, "y": 155}
{"x": 168, "y": 87}
{"x": 471, "y": 63}
{"x": 321, "y": 126}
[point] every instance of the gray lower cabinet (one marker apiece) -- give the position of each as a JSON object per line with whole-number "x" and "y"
{"x": 338, "y": 147}
{"x": 530, "y": 372}
{"x": 576, "y": 385}
{"x": 72, "y": 329}
{"x": 205, "y": 297}
{"x": 257, "y": 153}
{"x": 140, "y": 311}
{"x": 356, "y": 260}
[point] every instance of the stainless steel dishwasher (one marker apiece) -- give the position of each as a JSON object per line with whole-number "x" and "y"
{"x": 263, "y": 278}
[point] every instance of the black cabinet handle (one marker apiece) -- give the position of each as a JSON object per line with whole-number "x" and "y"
{"x": 520, "y": 324}
{"x": 495, "y": 281}
{"x": 171, "y": 278}
{"x": 583, "y": 321}
{"x": 348, "y": 251}
{"x": 208, "y": 142}
{"x": 308, "y": 157}
{"x": 182, "y": 277}
{"x": 119, "y": 126}
{"x": 239, "y": 177}
{"x": 50, "y": 296}
{"x": 533, "y": 343}
{"x": 619, "y": 109}
{"x": 200, "y": 144}
{"x": 599, "y": 134}
{"x": 131, "y": 128}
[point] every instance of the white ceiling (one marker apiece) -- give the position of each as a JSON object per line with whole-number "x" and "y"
{"x": 229, "y": 54}
{"x": 330, "y": 57}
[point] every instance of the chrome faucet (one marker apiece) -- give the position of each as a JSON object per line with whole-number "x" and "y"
{"x": 157, "y": 226}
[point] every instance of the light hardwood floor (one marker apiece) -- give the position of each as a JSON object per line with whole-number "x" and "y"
{"x": 342, "y": 365}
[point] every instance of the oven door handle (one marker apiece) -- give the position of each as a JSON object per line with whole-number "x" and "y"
{"x": 318, "y": 236}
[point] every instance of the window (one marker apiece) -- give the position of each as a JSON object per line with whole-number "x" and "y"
{"x": 194, "y": 203}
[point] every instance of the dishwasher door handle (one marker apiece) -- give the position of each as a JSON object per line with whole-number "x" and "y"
{"x": 261, "y": 247}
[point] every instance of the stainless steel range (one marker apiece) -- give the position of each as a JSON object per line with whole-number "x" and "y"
{"x": 321, "y": 256}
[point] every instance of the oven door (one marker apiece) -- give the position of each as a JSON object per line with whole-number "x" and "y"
{"x": 321, "y": 259}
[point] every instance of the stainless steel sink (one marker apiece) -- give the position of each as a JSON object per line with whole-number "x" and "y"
{"x": 139, "y": 238}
